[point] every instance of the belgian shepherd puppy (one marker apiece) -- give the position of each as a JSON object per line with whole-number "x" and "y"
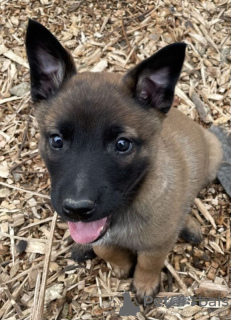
{"x": 124, "y": 165}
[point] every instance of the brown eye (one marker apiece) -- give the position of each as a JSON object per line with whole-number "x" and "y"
{"x": 123, "y": 145}
{"x": 56, "y": 141}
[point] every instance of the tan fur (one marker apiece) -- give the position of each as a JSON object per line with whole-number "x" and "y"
{"x": 184, "y": 158}
{"x": 147, "y": 201}
{"x": 196, "y": 154}
{"x": 121, "y": 259}
{"x": 146, "y": 280}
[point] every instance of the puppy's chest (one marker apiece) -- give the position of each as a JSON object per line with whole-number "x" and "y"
{"x": 134, "y": 231}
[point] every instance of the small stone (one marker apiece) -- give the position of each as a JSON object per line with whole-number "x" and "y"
{"x": 20, "y": 89}
{"x": 21, "y": 246}
{"x": 17, "y": 176}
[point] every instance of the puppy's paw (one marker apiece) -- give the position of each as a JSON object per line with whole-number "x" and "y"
{"x": 81, "y": 253}
{"x": 145, "y": 286}
{"x": 194, "y": 235}
{"x": 121, "y": 272}
{"x": 191, "y": 231}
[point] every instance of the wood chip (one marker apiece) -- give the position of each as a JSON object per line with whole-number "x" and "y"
{"x": 215, "y": 246}
{"x": 105, "y": 37}
{"x": 100, "y": 66}
{"x": 212, "y": 290}
{"x": 205, "y": 212}
{"x": 14, "y": 57}
{"x": 200, "y": 107}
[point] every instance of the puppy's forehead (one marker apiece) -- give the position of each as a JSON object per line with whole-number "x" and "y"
{"x": 90, "y": 100}
{"x": 86, "y": 90}
{"x": 94, "y": 92}
{"x": 91, "y": 97}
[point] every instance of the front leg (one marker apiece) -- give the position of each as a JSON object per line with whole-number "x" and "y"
{"x": 121, "y": 259}
{"x": 146, "y": 281}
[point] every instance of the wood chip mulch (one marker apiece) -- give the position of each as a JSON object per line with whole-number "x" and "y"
{"x": 108, "y": 36}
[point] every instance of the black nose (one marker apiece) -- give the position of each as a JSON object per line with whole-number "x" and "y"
{"x": 78, "y": 209}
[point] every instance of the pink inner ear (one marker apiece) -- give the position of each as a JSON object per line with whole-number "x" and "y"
{"x": 160, "y": 77}
{"x": 150, "y": 86}
{"x": 49, "y": 64}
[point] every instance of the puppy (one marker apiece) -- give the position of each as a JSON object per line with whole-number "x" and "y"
{"x": 124, "y": 165}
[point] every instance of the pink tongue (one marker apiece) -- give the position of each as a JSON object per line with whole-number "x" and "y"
{"x": 85, "y": 232}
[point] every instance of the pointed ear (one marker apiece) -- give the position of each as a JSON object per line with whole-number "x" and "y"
{"x": 50, "y": 64}
{"x": 152, "y": 82}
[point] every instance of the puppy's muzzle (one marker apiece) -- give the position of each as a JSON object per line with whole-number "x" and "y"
{"x": 78, "y": 209}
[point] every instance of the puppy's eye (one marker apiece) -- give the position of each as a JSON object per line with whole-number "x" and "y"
{"x": 56, "y": 141}
{"x": 123, "y": 145}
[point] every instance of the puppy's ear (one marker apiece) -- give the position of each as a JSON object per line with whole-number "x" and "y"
{"x": 50, "y": 64}
{"x": 152, "y": 82}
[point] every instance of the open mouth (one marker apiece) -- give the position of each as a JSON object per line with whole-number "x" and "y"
{"x": 87, "y": 232}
